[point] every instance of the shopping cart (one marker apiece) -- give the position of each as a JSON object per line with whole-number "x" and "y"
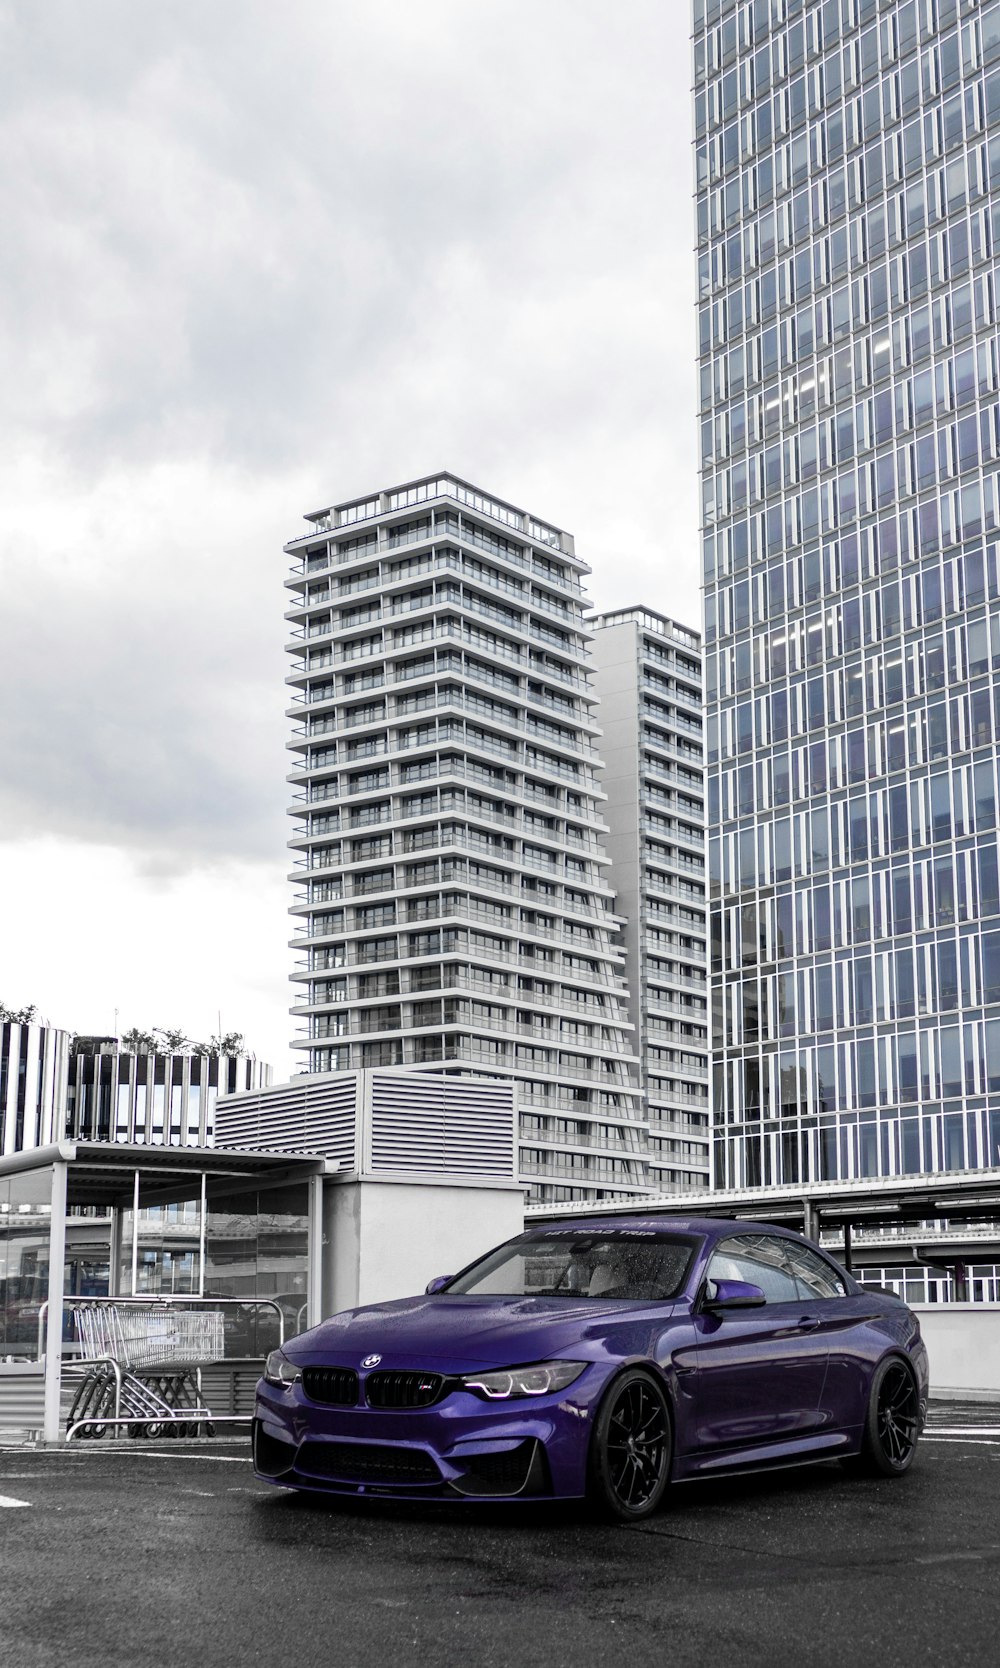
{"x": 139, "y": 1361}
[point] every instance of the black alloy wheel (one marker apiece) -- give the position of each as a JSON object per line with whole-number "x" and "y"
{"x": 631, "y": 1448}
{"x": 892, "y": 1424}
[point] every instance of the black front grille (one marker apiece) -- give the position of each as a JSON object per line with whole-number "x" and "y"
{"x": 334, "y": 1386}
{"x": 403, "y": 1389}
{"x": 367, "y": 1462}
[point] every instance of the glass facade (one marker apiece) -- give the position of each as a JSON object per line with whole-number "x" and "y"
{"x": 848, "y": 197}
{"x": 256, "y": 1246}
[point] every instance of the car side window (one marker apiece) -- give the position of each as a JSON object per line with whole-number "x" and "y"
{"x": 758, "y": 1259}
{"x": 813, "y": 1275}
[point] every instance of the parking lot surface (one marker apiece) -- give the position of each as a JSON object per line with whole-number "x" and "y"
{"x": 163, "y": 1555}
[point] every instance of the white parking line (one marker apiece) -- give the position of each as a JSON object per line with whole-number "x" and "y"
{"x": 964, "y": 1441}
{"x": 8, "y": 1500}
{"x": 74, "y": 1453}
{"x": 963, "y": 1430}
{"x": 216, "y": 1459}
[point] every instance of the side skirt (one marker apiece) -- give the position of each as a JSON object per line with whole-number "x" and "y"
{"x": 770, "y": 1456}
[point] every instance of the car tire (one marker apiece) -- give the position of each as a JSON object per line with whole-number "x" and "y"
{"x": 892, "y": 1423}
{"x": 631, "y": 1448}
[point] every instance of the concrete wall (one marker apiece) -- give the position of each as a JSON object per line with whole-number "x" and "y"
{"x": 383, "y": 1240}
{"x": 963, "y": 1342}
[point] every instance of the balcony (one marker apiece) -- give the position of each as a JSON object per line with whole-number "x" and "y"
{"x": 578, "y": 1141}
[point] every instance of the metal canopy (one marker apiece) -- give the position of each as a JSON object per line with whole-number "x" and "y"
{"x": 103, "y": 1173}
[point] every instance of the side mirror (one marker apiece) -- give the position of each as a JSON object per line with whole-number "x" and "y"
{"x": 732, "y": 1294}
{"x": 438, "y": 1284}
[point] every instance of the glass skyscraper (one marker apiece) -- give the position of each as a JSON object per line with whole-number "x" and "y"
{"x": 848, "y": 197}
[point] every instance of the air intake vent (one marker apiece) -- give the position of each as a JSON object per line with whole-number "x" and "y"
{"x": 403, "y": 1389}
{"x": 517, "y": 1470}
{"x": 365, "y": 1462}
{"x": 333, "y": 1386}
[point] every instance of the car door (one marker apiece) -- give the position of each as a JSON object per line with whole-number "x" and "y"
{"x": 759, "y": 1372}
{"x": 842, "y": 1318}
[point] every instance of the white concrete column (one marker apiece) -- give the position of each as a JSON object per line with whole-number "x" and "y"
{"x": 202, "y": 1234}
{"x": 314, "y": 1253}
{"x": 54, "y": 1329}
{"x": 115, "y": 1252}
{"x": 135, "y": 1234}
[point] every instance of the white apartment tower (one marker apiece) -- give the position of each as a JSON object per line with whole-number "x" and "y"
{"x": 648, "y": 677}
{"x": 451, "y": 871}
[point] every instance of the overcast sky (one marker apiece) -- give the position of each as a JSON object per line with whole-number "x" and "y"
{"x": 256, "y": 258}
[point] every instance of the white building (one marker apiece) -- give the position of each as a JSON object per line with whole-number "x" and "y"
{"x": 34, "y": 1066}
{"x": 420, "y": 1170}
{"x": 163, "y": 1098}
{"x": 451, "y": 871}
{"x": 648, "y": 676}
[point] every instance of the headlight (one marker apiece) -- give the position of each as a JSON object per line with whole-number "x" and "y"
{"x": 543, "y": 1378}
{"x": 279, "y": 1370}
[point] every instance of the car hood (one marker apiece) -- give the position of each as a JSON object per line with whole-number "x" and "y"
{"x": 458, "y": 1334}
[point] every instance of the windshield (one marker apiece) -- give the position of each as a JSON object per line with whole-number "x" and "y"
{"x": 638, "y": 1266}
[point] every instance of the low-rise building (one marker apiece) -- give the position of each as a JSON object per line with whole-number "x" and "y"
{"x": 163, "y": 1098}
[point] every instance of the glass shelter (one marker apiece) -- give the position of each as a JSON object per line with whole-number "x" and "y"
{"x": 131, "y": 1271}
{"x": 90, "y": 1221}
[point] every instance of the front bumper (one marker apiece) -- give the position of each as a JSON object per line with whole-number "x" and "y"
{"x": 459, "y": 1449}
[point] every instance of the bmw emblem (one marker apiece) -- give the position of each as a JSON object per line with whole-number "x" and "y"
{"x": 371, "y": 1361}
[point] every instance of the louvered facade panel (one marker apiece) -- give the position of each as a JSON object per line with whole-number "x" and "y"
{"x": 447, "y": 1125}
{"x": 381, "y": 1123}
{"x": 22, "y": 1397}
{"x": 318, "y": 1115}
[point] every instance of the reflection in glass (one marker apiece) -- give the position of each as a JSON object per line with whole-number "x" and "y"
{"x": 25, "y": 1220}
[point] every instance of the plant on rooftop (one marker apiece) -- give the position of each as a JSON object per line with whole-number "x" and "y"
{"x": 135, "y": 1041}
{"x": 19, "y": 1016}
{"x": 166, "y": 1039}
{"x": 231, "y": 1044}
{"x": 172, "y": 1041}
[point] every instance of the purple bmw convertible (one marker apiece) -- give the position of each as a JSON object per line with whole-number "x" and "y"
{"x": 602, "y": 1359}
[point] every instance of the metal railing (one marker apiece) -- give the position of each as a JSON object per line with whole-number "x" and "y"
{"x": 156, "y": 1298}
{"x": 187, "y": 1416}
{"x": 154, "y": 1416}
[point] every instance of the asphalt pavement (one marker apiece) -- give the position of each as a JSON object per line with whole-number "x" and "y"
{"x": 165, "y": 1555}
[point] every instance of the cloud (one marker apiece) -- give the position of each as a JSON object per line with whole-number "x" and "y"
{"x": 141, "y": 679}
{"x": 184, "y": 951}
{"x": 242, "y": 236}
{"x": 259, "y": 259}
